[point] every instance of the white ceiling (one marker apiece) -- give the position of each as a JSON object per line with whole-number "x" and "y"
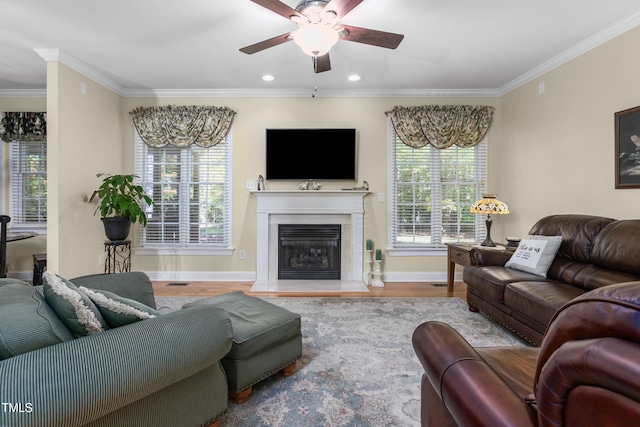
{"x": 450, "y": 46}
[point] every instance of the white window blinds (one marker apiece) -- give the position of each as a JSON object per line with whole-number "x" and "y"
{"x": 431, "y": 193}
{"x": 192, "y": 194}
{"x": 28, "y": 184}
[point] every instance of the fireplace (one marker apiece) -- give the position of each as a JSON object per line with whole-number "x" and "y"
{"x": 327, "y": 207}
{"x": 309, "y": 251}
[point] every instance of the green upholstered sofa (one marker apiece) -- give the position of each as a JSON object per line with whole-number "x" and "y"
{"x": 163, "y": 371}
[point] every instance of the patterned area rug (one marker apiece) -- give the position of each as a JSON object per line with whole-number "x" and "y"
{"x": 358, "y": 366}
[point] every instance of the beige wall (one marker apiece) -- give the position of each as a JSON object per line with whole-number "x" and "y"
{"x": 556, "y": 153}
{"x": 85, "y": 139}
{"x": 548, "y": 153}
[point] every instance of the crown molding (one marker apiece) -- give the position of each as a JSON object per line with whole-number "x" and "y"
{"x": 304, "y": 93}
{"x": 57, "y": 55}
{"x": 581, "y": 48}
{"x": 23, "y": 93}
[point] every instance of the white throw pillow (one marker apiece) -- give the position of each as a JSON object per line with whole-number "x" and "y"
{"x": 75, "y": 310}
{"x": 535, "y": 254}
{"x": 117, "y": 310}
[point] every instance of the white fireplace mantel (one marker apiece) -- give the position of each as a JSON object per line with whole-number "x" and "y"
{"x": 294, "y": 206}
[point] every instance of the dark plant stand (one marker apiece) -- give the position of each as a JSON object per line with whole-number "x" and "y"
{"x": 118, "y": 256}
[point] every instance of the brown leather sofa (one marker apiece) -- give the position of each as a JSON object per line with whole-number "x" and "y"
{"x": 586, "y": 372}
{"x": 594, "y": 252}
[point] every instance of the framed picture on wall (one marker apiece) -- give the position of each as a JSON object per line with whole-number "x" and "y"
{"x": 627, "y": 125}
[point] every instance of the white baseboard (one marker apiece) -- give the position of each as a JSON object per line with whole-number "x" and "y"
{"x": 26, "y": 276}
{"x": 202, "y": 276}
{"x": 250, "y": 276}
{"x": 430, "y": 277}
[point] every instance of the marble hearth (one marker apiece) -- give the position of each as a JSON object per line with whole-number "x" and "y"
{"x": 310, "y": 207}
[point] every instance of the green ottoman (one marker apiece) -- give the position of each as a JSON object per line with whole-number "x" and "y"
{"x": 266, "y": 339}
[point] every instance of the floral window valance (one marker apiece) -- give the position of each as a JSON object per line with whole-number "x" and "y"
{"x": 23, "y": 126}
{"x": 441, "y": 125}
{"x": 204, "y": 126}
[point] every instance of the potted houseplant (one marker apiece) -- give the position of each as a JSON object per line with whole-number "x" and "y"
{"x": 120, "y": 204}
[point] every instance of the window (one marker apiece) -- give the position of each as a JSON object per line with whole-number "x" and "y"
{"x": 432, "y": 191}
{"x": 191, "y": 189}
{"x": 28, "y": 185}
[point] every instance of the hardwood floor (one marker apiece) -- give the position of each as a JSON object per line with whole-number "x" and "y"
{"x": 391, "y": 290}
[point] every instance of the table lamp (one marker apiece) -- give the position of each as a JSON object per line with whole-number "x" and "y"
{"x": 489, "y": 205}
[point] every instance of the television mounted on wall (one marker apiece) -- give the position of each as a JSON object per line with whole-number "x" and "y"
{"x": 311, "y": 154}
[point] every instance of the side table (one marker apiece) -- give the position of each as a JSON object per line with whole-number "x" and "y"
{"x": 118, "y": 256}
{"x": 457, "y": 253}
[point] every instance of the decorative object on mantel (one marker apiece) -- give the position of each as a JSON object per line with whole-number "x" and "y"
{"x": 310, "y": 185}
{"x": 377, "y": 271}
{"x": 365, "y": 187}
{"x": 122, "y": 198}
{"x": 489, "y": 205}
{"x": 261, "y": 183}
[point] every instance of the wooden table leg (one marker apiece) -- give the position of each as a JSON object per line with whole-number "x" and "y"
{"x": 451, "y": 271}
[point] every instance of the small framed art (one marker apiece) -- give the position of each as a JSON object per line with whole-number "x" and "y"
{"x": 627, "y": 146}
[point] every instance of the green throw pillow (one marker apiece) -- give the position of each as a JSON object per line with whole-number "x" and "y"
{"x": 72, "y": 307}
{"x": 117, "y": 310}
{"x": 27, "y": 323}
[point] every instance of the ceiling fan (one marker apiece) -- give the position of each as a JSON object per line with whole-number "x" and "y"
{"x": 319, "y": 29}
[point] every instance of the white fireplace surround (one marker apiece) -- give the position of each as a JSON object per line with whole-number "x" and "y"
{"x": 342, "y": 207}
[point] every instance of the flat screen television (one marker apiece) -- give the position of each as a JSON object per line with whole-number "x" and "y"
{"x": 311, "y": 154}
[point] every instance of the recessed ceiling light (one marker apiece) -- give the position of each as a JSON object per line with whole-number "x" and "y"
{"x": 268, "y": 78}
{"x": 354, "y": 78}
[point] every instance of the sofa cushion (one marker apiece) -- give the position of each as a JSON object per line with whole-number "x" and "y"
{"x": 117, "y": 310}
{"x": 75, "y": 309}
{"x": 491, "y": 280}
{"x": 616, "y": 247}
{"x": 578, "y": 233}
{"x": 535, "y": 254}
{"x": 27, "y": 323}
{"x": 257, "y": 324}
{"x": 538, "y": 301}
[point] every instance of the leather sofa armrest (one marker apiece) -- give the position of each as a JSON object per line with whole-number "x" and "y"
{"x": 484, "y": 256}
{"x": 600, "y": 374}
{"x": 470, "y": 390}
{"x": 78, "y": 381}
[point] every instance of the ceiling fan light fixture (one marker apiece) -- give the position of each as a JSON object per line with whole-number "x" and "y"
{"x": 315, "y": 39}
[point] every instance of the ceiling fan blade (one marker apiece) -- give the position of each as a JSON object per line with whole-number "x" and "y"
{"x": 321, "y": 63}
{"x": 342, "y": 7}
{"x": 372, "y": 37}
{"x": 266, "y": 44}
{"x": 277, "y": 7}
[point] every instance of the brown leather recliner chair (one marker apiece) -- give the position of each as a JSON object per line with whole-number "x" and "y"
{"x": 585, "y": 373}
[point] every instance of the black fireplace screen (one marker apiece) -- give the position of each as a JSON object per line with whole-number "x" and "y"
{"x": 309, "y": 251}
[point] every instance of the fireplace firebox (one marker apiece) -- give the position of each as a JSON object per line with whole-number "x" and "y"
{"x": 309, "y": 251}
